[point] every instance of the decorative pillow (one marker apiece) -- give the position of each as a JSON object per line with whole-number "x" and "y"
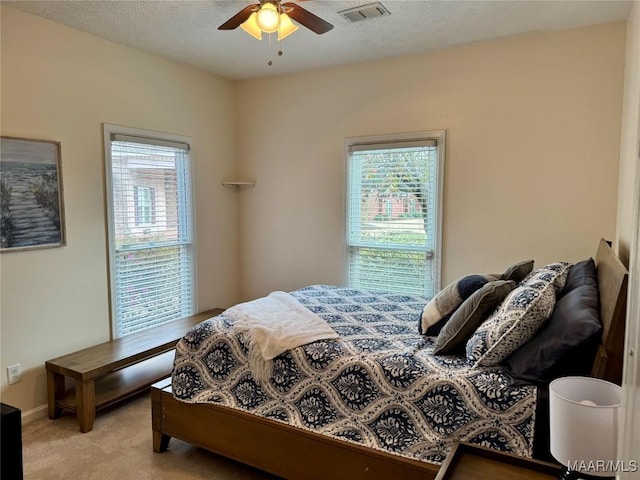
{"x": 470, "y": 315}
{"x": 519, "y": 317}
{"x": 518, "y": 271}
{"x": 564, "y": 346}
{"x": 556, "y": 272}
{"x": 582, "y": 273}
{"x": 436, "y": 313}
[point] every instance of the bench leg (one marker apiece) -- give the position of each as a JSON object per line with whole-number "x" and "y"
{"x": 55, "y": 390}
{"x": 86, "y": 404}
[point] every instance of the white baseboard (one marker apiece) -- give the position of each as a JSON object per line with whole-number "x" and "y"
{"x": 35, "y": 413}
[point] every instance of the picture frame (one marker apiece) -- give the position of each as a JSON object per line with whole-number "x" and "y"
{"x": 31, "y": 199}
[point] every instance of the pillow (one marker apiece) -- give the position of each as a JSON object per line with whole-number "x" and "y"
{"x": 566, "y": 344}
{"x": 519, "y": 317}
{"x": 470, "y": 315}
{"x": 582, "y": 273}
{"x": 518, "y": 271}
{"x": 550, "y": 273}
{"x": 436, "y": 313}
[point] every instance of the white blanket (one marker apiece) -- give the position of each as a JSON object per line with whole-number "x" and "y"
{"x": 274, "y": 324}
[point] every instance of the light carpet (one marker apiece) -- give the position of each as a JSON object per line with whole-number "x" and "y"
{"x": 119, "y": 447}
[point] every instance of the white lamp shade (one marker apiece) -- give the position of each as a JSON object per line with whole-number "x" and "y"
{"x": 583, "y": 421}
{"x": 268, "y": 18}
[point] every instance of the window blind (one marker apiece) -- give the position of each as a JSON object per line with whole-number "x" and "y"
{"x": 151, "y": 244}
{"x": 391, "y": 215}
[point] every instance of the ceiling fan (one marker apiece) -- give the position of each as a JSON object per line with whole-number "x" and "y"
{"x": 271, "y": 16}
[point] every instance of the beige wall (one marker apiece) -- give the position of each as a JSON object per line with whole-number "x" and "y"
{"x": 61, "y": 84}
{"x": 630, "y": 135}
{"x": 533, "y": 125}
{"x": 533, "y": 140}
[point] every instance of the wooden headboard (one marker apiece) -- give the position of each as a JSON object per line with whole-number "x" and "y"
{"x": 612, "y": 287}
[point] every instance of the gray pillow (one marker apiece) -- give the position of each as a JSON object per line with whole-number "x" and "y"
{"x": 437, "y": 312}
{"x": 581, "y": 273}
{"x": 470, "y": 315}
{"x": 521, "y": 314}
{"x": 566, "y": 344}
{"x": 518, "y": 271}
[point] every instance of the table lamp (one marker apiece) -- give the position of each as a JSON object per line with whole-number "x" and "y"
{"x": 583, "y": 416}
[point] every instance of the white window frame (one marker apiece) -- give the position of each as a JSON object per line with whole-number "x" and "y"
{"x": 108, "y": 131}
{"x": 144, "y": 211}
{"x": 439, "y": 136}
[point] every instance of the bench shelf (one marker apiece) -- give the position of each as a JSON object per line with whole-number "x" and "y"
{"x": 123, "y": 383}
{"x": 113, "y": 371}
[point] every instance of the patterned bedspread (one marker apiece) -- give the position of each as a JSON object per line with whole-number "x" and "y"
{"x": 378, "y": 385}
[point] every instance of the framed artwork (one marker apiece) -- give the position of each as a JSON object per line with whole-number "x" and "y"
{"x": 31, "y": 206}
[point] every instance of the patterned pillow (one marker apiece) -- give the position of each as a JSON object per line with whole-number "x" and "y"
{"x": 518, "y": 318}
{"x": 556, "y": 273}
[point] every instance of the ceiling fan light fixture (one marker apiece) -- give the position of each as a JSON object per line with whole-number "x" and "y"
{"x": 251, "y": 26}
{"x": 268, "y": 18}
{"x": 287, "y": 27}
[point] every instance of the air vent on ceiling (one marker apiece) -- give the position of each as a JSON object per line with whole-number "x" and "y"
{"x": 365, "y": 12}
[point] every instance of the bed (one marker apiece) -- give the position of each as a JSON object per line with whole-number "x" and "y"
{"x": 306, "y": 422}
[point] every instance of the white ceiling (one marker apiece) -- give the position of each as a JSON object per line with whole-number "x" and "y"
{"x": 186, "y": 31}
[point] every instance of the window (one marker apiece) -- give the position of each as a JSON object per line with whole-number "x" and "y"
{"x": 150, "y": 228}
{"x": 145, "y": 205}
{"x": 394, "y": 205}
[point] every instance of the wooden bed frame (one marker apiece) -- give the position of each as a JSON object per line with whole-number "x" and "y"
{"x": 613, "y": 279}
{"x": 295, "y": 453}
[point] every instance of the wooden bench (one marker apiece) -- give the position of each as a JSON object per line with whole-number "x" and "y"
{"x": 112, "y": 371}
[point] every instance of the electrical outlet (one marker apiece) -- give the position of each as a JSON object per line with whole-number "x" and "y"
{"x": 14, "y": 373}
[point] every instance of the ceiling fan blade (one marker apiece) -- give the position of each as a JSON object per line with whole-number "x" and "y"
{"x": 239, "y": 18}
{"x": 308, "y": 19}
